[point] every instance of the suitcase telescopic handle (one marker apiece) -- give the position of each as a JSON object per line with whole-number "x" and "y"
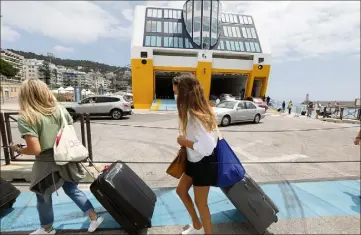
{"x": 96, "y": 168}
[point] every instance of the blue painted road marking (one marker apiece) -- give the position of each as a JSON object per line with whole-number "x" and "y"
{"x": 296, "y": 200}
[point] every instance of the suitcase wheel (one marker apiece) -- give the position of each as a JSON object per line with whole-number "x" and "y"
{"x": 275, "y": 219}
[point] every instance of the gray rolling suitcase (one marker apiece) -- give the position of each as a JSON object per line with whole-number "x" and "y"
{"x": 251, "y": 201}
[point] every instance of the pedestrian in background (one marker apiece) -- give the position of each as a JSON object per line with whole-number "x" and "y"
{"x": 39, "y": 123}
{"x": 357, "y": 139}
{"x": 197, "y": 122}
{"x": 289, "y": 106}
{"x": 283, "y": 106}
{"x": 318, "y": 109}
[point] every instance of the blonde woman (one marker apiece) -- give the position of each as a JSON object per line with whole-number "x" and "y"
{"x": 197, "y": 122}
{"x": 39, "y": 123}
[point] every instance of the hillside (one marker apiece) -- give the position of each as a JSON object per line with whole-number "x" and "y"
{"x": 85, "y": 64}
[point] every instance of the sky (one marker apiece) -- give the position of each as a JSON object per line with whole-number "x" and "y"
{"x": 315, "y": 45}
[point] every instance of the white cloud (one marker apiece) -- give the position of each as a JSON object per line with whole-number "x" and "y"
{"x": 8, "y": 34}
{"x": 67, "y": 21}
{"x": 128, "y": 13}
{"x": 304, "y": 29}
{"x": 63, "y": 49}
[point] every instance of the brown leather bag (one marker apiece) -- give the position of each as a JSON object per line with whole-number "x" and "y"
{"x": 178, "y": 166}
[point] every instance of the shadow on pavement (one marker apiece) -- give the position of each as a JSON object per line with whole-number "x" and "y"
{"x": 356, "y": 199}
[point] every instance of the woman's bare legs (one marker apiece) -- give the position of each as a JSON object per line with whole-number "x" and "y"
{"x": 184, "y": 185}
{"x": 201, "y": 199}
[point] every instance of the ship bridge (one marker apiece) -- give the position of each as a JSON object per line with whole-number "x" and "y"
{"x": 224, "y": 50}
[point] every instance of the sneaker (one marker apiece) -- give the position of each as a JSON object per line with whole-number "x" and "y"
{"x": 42, "y": 231}
{"x": 192, "y": 230}
{"x": 95, "y": 224}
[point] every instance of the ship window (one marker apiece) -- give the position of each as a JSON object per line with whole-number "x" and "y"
{"x": 228, "y": 46}
{"x": 237, "y": 46}
{"x": 180, "y": 42}
{"x": 159, "y": 27}
{"x": 166, "y": 27}
{"x": 253, "y": 32}
{"x": 147, "y": 40}
{"x": 244, "y": 32}
{"x": 180, "y": 27}
{"x": 223, "y": 18}
{"x": 159, "y": 41}
{"x": 166, "y": 42}
{"x": 238, "y": 32}
{"x": 252, "y": 47}
{"x": 250, "y": 21}
{"x": 235, "y": 19}
{"x": 234, "y": 33}
{"x": 225, "y": 31}
{"x": 249, "y": 34}
{"x": 241, "y": 19}
{"x": 241, "y": 46}
{"x": 153, "y": 40}
{"x": 247, "y": 46}
{"x": 232, "y": 46}
{"x": 245, "y": 19}
{"x": 256, "y": 45}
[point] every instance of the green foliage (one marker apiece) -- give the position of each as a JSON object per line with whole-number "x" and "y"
{"x": 86, "y": 65}
{"x": 7, "y": 69}
{"x": 45, "y": 69}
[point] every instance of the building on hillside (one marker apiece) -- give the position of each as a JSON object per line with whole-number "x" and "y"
{"x": 17, "y": 61}
{"x": 9, "y": 89}
{"x": 31, "y": 68}
{"x": 224, "y": 50}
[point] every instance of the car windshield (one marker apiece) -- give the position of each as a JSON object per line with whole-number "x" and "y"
{"x": 257, "y": 100}
{"x": 226, "y": 105}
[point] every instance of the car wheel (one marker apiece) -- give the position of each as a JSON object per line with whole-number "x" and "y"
{"x": 226, "y": 120}
{"x": 116, "y": 114}
{"x": 257, "y": 118}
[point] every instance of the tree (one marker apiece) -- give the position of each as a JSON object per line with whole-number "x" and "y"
{"x": 55, "y": 73}
{"x": 45, "y": 69}
{"x": 7, "y": 69}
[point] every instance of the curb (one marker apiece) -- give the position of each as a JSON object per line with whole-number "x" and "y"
{"x": 348, "y": 121}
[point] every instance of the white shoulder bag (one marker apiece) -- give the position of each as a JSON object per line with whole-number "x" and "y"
{"x": 67, "y": 146}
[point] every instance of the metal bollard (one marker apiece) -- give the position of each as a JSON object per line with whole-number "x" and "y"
{"x": 82, "y": 129}
{"x": 89, "y": 137}
{"x": 341, "y": 113}
{"x": 4, "y": 139}
{"x": 9, "y": 135}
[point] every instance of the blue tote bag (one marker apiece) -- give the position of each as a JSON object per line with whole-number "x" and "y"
{"x": 230, "y": 169}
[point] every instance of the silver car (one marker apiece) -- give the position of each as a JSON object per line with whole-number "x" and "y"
{"x": 228, "y": 112}
{"x": 101, "y": 105}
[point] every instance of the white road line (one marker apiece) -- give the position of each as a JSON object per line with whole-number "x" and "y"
{"x": 286, "y": 158}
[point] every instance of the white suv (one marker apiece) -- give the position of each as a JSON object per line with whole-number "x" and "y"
{"x": 101, "y": 105}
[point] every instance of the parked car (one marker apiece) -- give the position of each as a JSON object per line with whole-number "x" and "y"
{"x": 259, "y": 102}
{"x": 223, "y": 97}
{"x": 129, "y": 97}
{"x": 101, "y": 105}
{"x": 228, "y": 112}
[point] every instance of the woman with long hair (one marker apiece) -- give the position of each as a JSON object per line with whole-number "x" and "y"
{"x": 39, "y": 123}
{"x": 197, "y": 122}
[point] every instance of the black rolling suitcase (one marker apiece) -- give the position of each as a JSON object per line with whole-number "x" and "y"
{"x": 8, "y": 195}
{"x": 126, "y": 197}
{"x": 252, "y": 202}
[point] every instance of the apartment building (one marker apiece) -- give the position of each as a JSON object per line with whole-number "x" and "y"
{"x": 31, "y": 68}
{"x": 17, "y": 61}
